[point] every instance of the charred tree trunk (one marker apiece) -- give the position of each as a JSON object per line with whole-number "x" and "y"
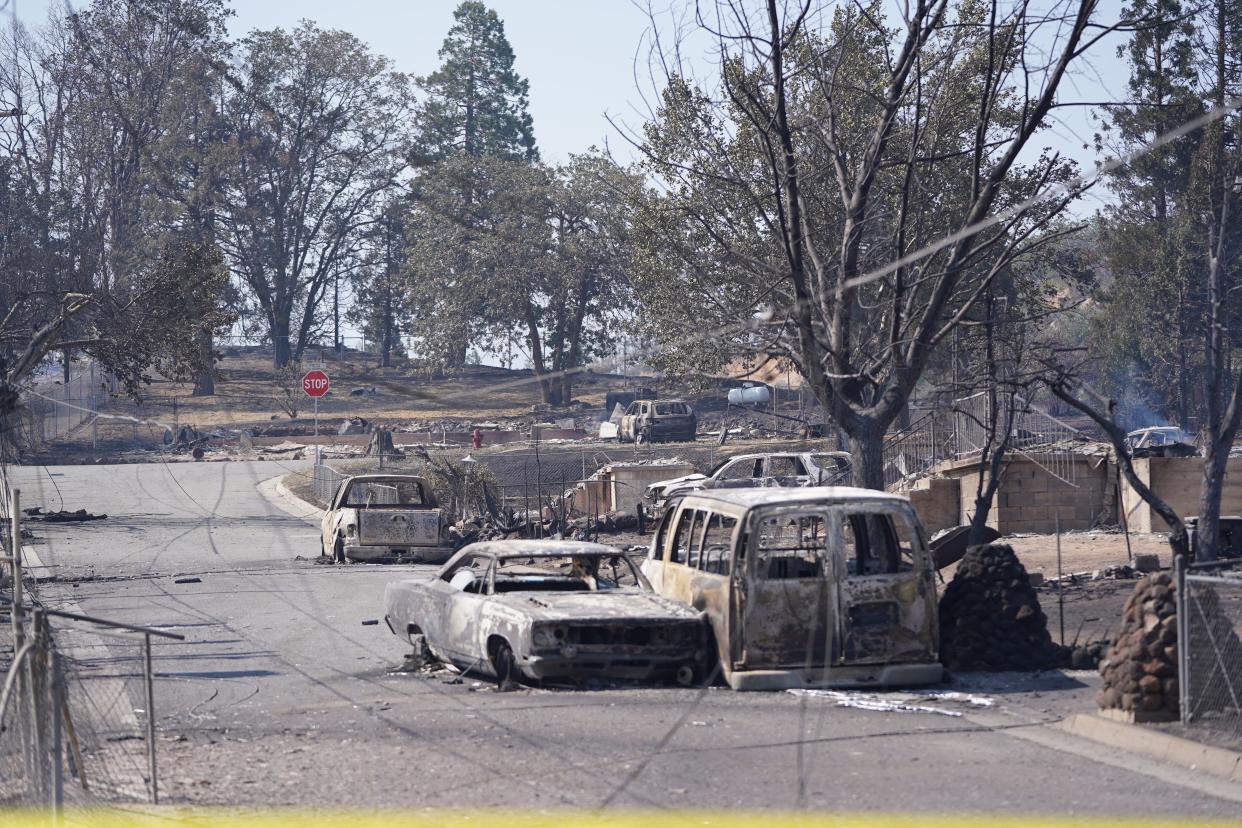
{"x": 866, "y": 442}
{"x": 205, "y": 379}
{"x": 282, "y": 352}
{"x": 547, "y": 393}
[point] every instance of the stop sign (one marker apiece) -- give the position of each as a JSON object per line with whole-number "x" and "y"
{"x": 315, "y": 383}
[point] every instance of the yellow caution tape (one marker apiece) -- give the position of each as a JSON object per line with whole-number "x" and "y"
{"x": 234, "y": 818}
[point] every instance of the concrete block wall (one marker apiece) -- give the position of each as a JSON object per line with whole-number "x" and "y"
{"x": 1177, "y": 480}
{"x": 1030, "y": 498}
{"x": 936, "y": 500}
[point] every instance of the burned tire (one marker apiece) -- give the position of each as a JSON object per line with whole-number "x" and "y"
{"x": 338, "y": 551}
{"x": 504, "y": 665}
{"x": 420, "y": 655}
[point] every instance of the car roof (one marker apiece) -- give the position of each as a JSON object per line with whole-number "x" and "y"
{"x": 375, "y": 478}
{"x": 537, "y": 548}
{"x": 781, "y": 496}
{"x": 661, "y": 399}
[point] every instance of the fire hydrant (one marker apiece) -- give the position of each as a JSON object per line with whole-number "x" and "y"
{"x": 476, "y": 438}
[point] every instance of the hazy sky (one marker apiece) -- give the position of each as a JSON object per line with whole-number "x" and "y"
{"x": 579, "y": 56}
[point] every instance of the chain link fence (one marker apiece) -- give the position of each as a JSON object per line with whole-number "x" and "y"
{"x": 1210, "y": 617}
{"x": 327, "y": 481}
{"x": 77, "y": 697}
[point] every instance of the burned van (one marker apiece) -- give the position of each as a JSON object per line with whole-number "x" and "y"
{"x": 813, "y": 587}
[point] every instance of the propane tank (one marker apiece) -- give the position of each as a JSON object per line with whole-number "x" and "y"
{"x": 749, "y": 395}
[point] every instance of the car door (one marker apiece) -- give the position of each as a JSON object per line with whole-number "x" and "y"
{"x": 742, "y": 473}
{"x": 653, "y": 565}
{"x": 331, "y": 521}
{"x": 784, "y": 470}
{"x": 885, "y": 585}
{"x": 785, "y": 607}
{"x": 453, "y": 607}
{"x": 627, "y": 432}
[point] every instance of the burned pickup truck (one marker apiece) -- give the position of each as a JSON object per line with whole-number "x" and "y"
{"x": 525, "y": 610}
{"x": 377, "y": 516}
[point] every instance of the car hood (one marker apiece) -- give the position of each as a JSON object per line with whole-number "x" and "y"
{"x": 612, "y": 605}
{"x": 677, "y": 481}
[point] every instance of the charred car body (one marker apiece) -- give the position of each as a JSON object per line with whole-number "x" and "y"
{"x": 524, "y": 609}
{"x": 810, "y": 587}
{"x": 748, "y": 471}
{"x": 375, "y": 516}
{"x": 651, "y": 421}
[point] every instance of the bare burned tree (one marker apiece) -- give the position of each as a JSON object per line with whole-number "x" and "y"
{"x": 857, "y": 184}
{"x": 1104, "y": 414}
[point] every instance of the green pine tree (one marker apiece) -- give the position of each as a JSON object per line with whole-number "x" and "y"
{"x": 476, "y": 101}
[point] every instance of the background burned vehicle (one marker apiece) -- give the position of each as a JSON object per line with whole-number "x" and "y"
{"x": 524, "y": 609}
{"x": 377, "y": 516}
{"x": 748, "y": 471}
{"x": 652, "y": 421}
{"x": 804, "y": 587}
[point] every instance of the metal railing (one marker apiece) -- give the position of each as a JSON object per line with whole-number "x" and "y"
{"x": 1041, "y": 438}
{"x": 914, "y": 451}
{"x": 1209, "y": 618}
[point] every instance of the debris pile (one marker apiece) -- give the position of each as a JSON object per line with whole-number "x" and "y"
{"x": 1140, "y": 668}
{"x": 508, "y": 524}
{"x": 990, "y": 618}
{"x": 61, "y": 516}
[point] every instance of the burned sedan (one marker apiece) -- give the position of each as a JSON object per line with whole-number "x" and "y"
{"x": 748, "y": 471}
{"x": 375, "y": 516}
{"x": 532, "y": 610}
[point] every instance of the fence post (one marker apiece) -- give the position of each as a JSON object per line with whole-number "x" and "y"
{"x": 150, "y": 681}
{"x": 1183, "y": 638}
{"x": 53, "y": 707}
{"x": 36, "y": 662}
{"x": 15, "y": 567}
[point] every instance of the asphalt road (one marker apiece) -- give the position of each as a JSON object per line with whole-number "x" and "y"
{"x": 281, "y": 696}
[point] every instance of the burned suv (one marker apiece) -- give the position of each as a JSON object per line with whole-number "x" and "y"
{"x": 650, "y": 421}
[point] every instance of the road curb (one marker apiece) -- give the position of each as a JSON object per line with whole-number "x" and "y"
{"x": 1222, "y": 763}
{"x": 277, "y": 493}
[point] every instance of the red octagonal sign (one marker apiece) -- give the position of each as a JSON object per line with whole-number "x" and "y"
{"x": 315, "y": 383}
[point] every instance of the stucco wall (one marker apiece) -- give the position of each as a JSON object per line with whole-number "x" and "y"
{"x": 627, "y": 484}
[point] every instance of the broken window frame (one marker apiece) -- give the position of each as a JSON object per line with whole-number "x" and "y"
{"x": 693, "y": 515}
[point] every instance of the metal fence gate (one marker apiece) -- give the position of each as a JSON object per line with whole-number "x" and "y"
{"x": 1210, "y": 646}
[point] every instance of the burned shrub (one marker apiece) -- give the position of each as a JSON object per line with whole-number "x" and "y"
{"x": 990, "y": 618}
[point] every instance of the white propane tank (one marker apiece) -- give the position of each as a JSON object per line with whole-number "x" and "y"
{"x": 749, "y": 395}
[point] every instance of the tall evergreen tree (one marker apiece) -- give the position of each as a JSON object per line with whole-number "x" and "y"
{"x": 1144, "y": 234}
{"x": 476, "y": 101}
